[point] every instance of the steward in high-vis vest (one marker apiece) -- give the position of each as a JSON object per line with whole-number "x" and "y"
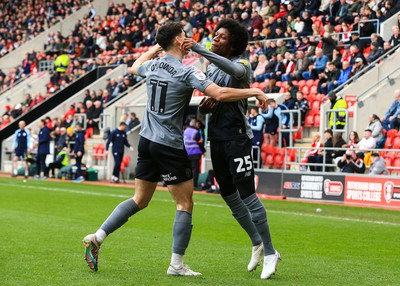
{"x": 61, "y": 161}
{"x": 195, "y": 148}
{"x": 61, "y": 63}
{"x": 337, "y": 103}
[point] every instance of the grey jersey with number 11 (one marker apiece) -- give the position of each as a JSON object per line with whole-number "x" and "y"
{"x": 170, "y": 86}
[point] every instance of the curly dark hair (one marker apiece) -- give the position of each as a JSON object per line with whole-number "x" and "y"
{"x": 166, "y": 34}
{"x": 239, "y": 37}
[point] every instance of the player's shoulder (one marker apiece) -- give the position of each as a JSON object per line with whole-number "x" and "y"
{"x": 193, "y": 71}
{"x": 243, "y": 61}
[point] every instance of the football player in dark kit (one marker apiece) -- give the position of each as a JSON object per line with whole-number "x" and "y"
{"x": 230, "y": 136}
{"x": 161, "y": 151}
{"x": 119, "y": 140}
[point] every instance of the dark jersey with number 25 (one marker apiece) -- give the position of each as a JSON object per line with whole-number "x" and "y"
{"x": 170, "y": 86}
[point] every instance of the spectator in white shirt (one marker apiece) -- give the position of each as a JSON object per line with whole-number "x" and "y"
{"x": 367, "y": 142}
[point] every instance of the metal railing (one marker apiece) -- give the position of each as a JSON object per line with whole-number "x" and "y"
{"x": 46, "y": 66}
{"x": 336, "y": 112}
{"x": 106, "y": 121}
{"x": 80, "y": 118}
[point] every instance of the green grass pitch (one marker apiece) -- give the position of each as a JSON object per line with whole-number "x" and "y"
{"x": 42, "y": 224}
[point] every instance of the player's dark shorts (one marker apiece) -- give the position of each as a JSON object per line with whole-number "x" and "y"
{"x": 232, "y": 160}
{"x": 21, "y": 154}
{"x": 155, "y": 160}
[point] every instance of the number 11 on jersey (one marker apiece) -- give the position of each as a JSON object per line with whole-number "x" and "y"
{"x": 163, "y": 86}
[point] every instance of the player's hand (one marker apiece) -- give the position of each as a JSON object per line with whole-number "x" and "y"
{"x": 156, "y": 48}
{"x": 206, "y": 105}
{"x": 187, "y": 44}
{"x": 79, "y": 154}
{"x": 262, "y": 99}
{"x": 131, "y": 148}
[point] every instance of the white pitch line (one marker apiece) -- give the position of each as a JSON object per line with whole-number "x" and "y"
{"x": 199, "y": 204}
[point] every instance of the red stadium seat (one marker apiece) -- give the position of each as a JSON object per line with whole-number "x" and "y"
{"x": 262, "y": 85}
{"x": 388, "y": 142}
{"x": 309, "y": 120}
{"x": 391, "y": 133}
{"x": 269, "y": 160}
{"x": 310, "y": 82}
{"x": 315, "y": 107}
{"x": 314, "y": 90}
{"x": 278, "y": 160}
{"x": 396, "y": 143}
{"x": 317, "y": 120}
{"x": 301, "y": 83}
{"x": 305, "y": 89}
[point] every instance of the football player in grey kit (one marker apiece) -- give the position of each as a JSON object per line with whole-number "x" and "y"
{"x": 161, "y": 150}
{"x": 230, "y": 136}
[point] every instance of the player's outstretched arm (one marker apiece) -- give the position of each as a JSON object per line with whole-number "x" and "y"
{"x": 227, "y": 94}
{"x": 235, "y": 69}
{"x": 145, "y": 57}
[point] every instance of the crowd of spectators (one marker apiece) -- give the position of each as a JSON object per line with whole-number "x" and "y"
{"x": 21, "y": 21}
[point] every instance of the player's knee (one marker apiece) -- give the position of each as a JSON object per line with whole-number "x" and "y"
{"x": 259, "y": 217}
{"x": 185, "y": 204}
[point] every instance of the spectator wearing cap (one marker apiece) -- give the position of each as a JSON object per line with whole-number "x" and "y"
{"x": 376, "y": 52}
{"x": 337, "y": 104}
{"x": 378, "y": 166}
{"x": 357, "y": 67}
{"x": 391, "y": 119}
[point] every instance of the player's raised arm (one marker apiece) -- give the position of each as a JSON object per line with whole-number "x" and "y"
{"x": 227, "y": 94}
{"x": 145, "y": 57}
{"x": 237, "y": 70}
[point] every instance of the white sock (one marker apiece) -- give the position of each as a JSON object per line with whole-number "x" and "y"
{"x": 177, "y": 260}
{"x": 26, "y": 174}
{"x": 15, "y": 172}
{"x": 100, "y": 236}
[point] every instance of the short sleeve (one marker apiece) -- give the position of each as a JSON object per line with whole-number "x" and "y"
{"x": 197, "y": 79}
{"x": 144, "y": 68}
